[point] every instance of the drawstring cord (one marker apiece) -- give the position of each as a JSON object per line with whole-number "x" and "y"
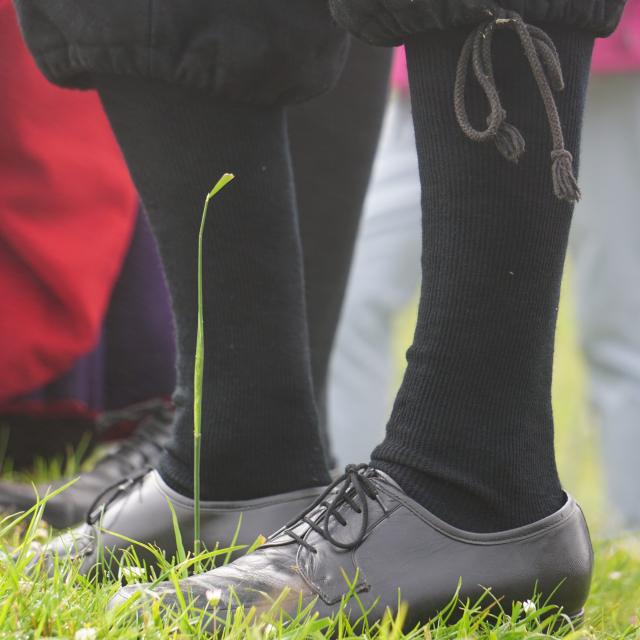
{"x": 544, "y": 61}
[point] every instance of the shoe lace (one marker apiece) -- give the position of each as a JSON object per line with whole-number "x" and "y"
{"x": 544, "y": 61}
{"x": 355, "y": 487}
{"x": 107, "y": 497}
{"x": 142, "y": 447}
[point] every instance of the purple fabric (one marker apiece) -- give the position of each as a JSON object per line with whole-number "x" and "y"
{"x": 82, "y": 385}
{"x": 139, "y": 334}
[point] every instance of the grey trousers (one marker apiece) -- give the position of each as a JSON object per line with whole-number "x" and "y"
{"x": 384, "y": 278}
{"x": 605, "y": 249}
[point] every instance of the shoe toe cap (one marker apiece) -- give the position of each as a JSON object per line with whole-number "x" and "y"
{"x": 16, "y": 496}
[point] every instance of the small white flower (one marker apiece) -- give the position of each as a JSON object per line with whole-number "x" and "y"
{"x": 88, "y": 633}
{"x": 528, "y": 606}
{"x": 131, "y": 574}
{"x": 615, "y": 575}
{"x": 269, "y": 630}
{"x": 214, "y": 596}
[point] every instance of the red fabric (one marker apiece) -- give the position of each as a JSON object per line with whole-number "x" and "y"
{"x": 51, "y": 409}
{"x": 67, "y": 209}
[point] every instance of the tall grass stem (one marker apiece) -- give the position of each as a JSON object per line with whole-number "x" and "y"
{"x": 199, "y": 369}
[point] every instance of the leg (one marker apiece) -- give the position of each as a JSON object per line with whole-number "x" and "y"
{"x": 258, "y": 406}
{"x": 471, "y": 433}
{"x": 384, "y": 278}
{"x": 262, "y": 459}
{"x": 604, "y": 245}
{"x": 199, "y": 89}
{"x": 469, "y": 446}
{"x": 333, "y": 142}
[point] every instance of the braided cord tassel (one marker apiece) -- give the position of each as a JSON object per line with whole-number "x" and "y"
{"x": 544, "y": 61}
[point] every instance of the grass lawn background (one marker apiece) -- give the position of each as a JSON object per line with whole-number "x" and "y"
{"x": 67, "y": 606}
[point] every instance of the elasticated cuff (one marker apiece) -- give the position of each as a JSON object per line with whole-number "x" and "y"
{"x": 390, "y": 22}
{"x": 246, "y": 51}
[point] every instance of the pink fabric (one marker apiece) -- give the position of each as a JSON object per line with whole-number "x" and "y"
{"x": 619, "y": 53}
{"x": 399, "y": 76}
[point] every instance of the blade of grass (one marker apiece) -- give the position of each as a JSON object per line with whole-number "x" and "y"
{"x": 181, "y": 553}
{"x": 199, "y": 368}
{"x": 234, "y": 541}
{"x": 23, "y": 515}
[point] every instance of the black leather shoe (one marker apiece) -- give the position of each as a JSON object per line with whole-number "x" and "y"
{"x": 368, "y": 531}
{"x": 138, "y": 510}
{"x": 140, "y": 451}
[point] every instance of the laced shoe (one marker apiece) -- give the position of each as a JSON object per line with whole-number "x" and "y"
{"x": 138, "y": 452}
{"x": 141, "y": 512}
{"x": 365, "y": 535}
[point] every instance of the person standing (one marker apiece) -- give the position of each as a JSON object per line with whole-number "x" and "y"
{"x": 384, "y": 279}
{"x": 465, "y": 482}
{"x": 605, "y": 249}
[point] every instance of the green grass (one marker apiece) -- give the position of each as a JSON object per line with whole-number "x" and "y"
{"x": 66, "y": 605}
{"x": 198, "y": 369}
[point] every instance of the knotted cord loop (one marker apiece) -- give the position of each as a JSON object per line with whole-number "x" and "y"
{"x": 544, "y": 61}
{"x": 564, "y": 182}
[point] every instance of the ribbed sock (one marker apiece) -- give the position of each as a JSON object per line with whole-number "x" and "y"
{"x": 260, "y": 433}
{"x": 471, "y": 432}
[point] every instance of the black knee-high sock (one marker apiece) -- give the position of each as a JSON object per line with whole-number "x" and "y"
{"x": 333, "y": 143}
{"x": 260, "y": 434}
{"x": 471, "y": 433}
